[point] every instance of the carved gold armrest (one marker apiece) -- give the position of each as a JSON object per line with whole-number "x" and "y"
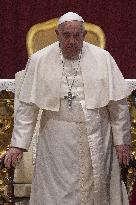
{"x": 9, "y": 197}
{"x": 131, "y": 172}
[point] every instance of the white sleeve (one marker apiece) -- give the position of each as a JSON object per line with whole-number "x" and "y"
{"x": 24, "y": 125}
{"x": 120, "y": 122}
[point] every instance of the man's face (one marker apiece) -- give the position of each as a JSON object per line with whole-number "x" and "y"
{"x": 71, "y": 35}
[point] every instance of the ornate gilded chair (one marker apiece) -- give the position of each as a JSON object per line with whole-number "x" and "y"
{"x": 131, "y": 177}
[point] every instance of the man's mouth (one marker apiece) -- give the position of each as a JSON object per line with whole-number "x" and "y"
{"x": 71, "y": 48}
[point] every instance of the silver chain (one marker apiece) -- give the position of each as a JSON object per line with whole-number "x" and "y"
{"x": 70, "y": 86}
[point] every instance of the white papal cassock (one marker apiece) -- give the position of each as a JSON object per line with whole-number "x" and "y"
{"x": 76, "y": 161}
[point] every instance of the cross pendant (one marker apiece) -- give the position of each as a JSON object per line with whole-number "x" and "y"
{"x": 69, "y": 98}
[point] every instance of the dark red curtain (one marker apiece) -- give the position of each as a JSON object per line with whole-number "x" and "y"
{"x": 116, "y": 17}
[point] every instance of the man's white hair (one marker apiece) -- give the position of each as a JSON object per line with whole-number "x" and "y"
{"x": 70, "y": 16}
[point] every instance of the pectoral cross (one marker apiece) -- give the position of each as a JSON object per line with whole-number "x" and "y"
{"x": 69, "y": 98}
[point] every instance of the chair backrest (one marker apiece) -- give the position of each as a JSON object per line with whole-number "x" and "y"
{"x": 43, "y": 34}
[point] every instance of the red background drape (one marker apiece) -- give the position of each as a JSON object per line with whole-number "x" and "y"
{"x": 116, "y": 17}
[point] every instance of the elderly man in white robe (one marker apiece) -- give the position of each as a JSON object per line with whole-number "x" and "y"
{"x": 84, "y": 132}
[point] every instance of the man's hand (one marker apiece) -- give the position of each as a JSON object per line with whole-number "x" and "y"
{"x": 123, "y": 154}
{"x": 13, "y": 156}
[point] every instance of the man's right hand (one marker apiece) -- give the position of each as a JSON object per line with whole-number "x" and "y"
{"x": 13, "y": 156}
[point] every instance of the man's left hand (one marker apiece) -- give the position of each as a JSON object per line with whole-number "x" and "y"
{"x": 123, "y": 154}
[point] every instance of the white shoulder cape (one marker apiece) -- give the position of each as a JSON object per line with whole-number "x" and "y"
{"x": 102, "y": 78}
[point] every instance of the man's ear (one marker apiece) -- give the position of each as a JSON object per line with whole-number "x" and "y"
{"x": 85, "y": 32}
{"x": 56, "y": 31}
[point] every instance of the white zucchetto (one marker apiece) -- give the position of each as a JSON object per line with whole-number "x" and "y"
{"x": 70, "y": 16}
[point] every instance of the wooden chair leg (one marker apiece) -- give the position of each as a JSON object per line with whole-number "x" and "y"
{"x": 10, "y": 189}
{"x": 124, "y": 171}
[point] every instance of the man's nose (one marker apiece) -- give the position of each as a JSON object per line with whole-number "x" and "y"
{"x": 71, "y": 40}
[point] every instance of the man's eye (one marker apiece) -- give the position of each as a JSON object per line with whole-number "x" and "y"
{"x": 77, "y": 35}
{"x": 66, "y": 35}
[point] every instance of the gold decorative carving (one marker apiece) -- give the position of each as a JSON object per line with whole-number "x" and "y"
{"x": 6, "y": 126}
{"x": 132, "y": 171}
{"x": 43, "y": 34}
